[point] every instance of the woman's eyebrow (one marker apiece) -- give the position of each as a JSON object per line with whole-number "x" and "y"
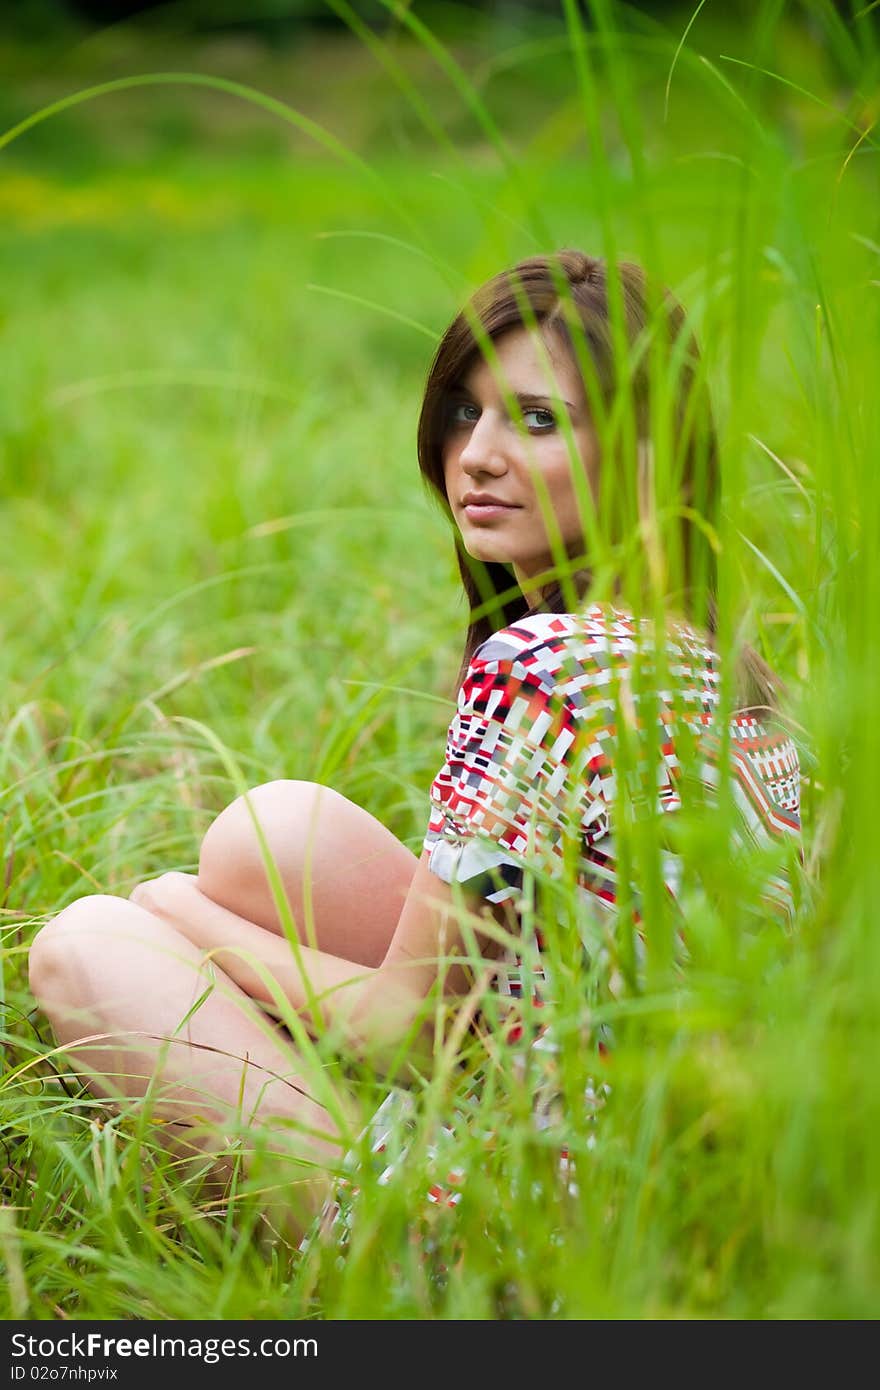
{"x": 526, "y": 398}
{"x": 522, "y": 397}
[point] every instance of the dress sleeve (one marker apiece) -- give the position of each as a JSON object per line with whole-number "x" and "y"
{"x": 507, "y": 791}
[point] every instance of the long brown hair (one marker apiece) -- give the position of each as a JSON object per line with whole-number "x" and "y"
{"x": 568, "y": 293}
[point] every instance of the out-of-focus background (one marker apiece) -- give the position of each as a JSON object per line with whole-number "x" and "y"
{"x": 220, "y": 300}
{"x": 230, "y": 235}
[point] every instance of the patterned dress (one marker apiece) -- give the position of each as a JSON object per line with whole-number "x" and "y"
{"x": 533, "y": 766}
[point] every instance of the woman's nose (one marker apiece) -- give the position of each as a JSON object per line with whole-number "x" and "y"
{"x": 486, "y": 443}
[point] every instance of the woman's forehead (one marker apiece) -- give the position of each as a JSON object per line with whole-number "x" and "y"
{"x": 530, "y": 362}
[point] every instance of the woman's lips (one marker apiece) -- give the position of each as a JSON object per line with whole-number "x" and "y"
{"x": 486, "y": 511}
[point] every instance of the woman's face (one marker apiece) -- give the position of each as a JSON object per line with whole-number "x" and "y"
{"x": 485, "y": 451}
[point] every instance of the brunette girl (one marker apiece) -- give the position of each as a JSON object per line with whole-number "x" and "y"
{"x": 539, "y": 421}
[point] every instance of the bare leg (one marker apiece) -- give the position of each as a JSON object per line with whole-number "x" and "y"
{"x": 105, "y": 965}
{"x": 184, "y": 1033}
{"x": 345, "y": 875}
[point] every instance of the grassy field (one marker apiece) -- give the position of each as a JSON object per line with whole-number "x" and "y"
{"x": 220, "y": 299}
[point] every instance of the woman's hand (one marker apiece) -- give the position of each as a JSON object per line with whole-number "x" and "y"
{"x": 165, "y": 896}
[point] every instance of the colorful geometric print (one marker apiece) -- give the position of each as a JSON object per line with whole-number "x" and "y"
{"x": 531, "y": 755}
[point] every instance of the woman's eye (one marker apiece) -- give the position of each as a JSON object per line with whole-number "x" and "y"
{"x": 544, "y": 419}
{"x": 539, "y": 419}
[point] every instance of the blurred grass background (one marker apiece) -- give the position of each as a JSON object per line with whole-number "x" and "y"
{"x": 215, "y": 323}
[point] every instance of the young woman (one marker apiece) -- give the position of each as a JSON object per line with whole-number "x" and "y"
{"x": 538, "y": 417}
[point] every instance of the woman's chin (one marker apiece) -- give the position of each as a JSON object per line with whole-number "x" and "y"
{"x": 489, "y": 554}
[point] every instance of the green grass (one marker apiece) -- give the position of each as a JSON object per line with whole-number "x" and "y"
{"x": 214, "y": 333}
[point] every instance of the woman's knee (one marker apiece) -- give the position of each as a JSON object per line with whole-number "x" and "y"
{"x": 57, "y": 943}
{"x": 232, "y": 862}
{"x": 82, "y": 933}
{"x": 345, "y": 876}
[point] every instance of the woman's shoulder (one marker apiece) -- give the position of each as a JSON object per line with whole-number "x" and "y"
{"x": 582, "y": 659}
{"x": 568, "y": 658}
{"x": 602, "y": 637}
{"x": 539, "y": 634}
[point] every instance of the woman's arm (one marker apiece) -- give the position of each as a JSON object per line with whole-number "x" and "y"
{"x": 375, "y": 1008}
{"x": 231, "y": 939}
